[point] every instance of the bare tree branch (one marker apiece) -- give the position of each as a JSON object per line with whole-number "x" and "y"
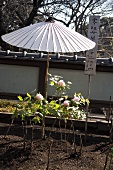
{"x": 18, "y": 13}
{"x": 36, "y": 6}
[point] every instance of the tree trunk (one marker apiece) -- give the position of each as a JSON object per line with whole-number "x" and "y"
{"x": 36, "y": 5}
{"x": 2, "y": 31}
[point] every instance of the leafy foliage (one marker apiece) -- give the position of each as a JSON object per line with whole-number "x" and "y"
{"x": 61, "y": 106}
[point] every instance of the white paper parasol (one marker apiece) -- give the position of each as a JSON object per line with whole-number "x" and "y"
{"x": 49, "y": 36}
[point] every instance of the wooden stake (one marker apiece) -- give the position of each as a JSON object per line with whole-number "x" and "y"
{"x": 87, "y": 107}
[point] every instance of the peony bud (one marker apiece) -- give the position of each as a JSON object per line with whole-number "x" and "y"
{"x": 66, "y": 103}
{"x": 61, "y": 83}
{"x": 39, "y": 97}
{"x": 76, "y": 99}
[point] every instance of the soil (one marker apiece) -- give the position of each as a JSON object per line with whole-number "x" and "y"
{"x": 60, "y": 150}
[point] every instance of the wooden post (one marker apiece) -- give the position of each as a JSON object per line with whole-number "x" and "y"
{"x": 87, "y": 107}
{"x": 46, "y": 76}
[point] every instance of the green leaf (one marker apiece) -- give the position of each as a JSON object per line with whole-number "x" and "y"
{"x": 53, "y": 102}
{"x": 18, "y": 106}
{"x": 14, "y": 115}
{"x": 87, "y": 101}
{"x": 60, "y": 99}
{"x": 21, "y": 112}
{"x": 28, "y": 95}
{"x": 36, "y": 119}
{"x": 51, "y": 83}
{"x": 69, "y": 82}
{"x": 20, "y": 98}
{"x": 22, "y": 117}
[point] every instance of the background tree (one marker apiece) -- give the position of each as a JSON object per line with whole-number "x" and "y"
{"x": 72, "y": 13}
{"x": 105, "y": 44}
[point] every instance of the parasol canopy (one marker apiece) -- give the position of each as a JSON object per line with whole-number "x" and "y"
{"x": 49, "y": 36}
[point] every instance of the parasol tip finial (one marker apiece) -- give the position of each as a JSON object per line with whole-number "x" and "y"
{"x": 50, "y": 19}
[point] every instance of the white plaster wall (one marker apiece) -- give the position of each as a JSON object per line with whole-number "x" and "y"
{"x": 79, "y": 81}
{"x": 23, "y": 79}
{"x": 18, "y": 79}
{"x": 101, "y": 87}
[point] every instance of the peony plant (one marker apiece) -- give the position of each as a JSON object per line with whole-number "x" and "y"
{"x": 60, "y": 106}
{"x": 59, "y": 84}
{"x": 35, "y": 106}
{"x": 67, "y": 108}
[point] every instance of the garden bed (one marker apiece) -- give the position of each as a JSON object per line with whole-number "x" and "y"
{"x": 60, "y": 150}
{"x": 97, "y": 125}
{"x": 65, "y": 145}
